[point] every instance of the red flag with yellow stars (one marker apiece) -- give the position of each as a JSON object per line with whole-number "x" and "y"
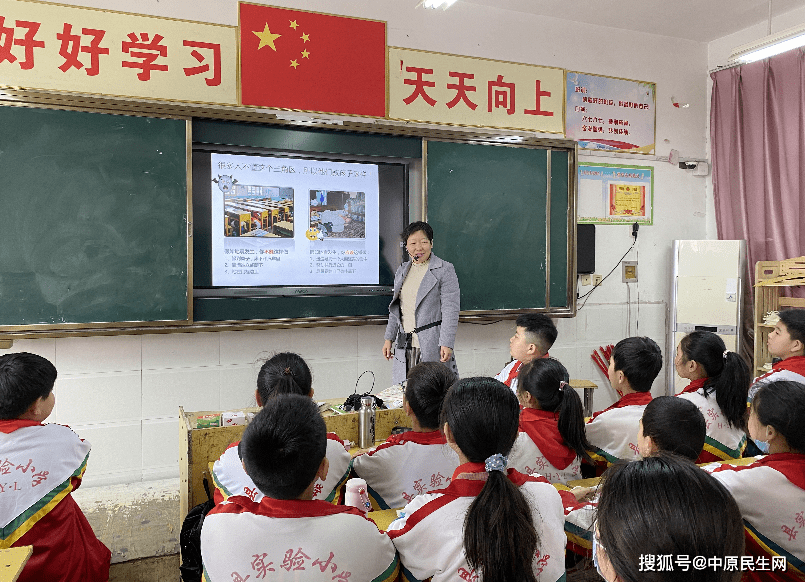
{"x": 292, "y": 59}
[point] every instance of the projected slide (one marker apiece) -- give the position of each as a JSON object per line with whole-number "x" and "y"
{"x": 287, "y": 221}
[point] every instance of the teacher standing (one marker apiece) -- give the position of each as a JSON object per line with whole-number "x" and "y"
{"x": 423, "y": 313}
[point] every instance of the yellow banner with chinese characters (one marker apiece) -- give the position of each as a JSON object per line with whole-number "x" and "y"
{"x": 85, "y": 50}
{"x": 451, "y": 89}
{"x": 627, "y": 200}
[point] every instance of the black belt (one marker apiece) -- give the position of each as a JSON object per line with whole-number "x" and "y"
{"x": 404, "y": 339}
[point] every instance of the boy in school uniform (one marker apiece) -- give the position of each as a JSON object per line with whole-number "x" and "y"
{"x": 787, "y": 342}
{"x": 41, "y": 465}
{"x": 635, "y": 363}
{"x": 534, "y": 335}
{"x": 283, "y": 451}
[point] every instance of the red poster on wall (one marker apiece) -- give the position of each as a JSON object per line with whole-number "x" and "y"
{"x": 292, "y": 59}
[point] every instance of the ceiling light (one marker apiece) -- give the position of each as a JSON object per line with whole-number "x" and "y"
{"x": 443, "y": 4}
{"x": 769, "y": 46}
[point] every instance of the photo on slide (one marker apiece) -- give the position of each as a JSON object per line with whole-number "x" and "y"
{"x": 256, "y": 210}
{"x": 337, "y": 214}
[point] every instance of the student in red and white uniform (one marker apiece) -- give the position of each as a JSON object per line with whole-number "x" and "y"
{"x": 534, "y": 334}
{"x": 288, "y": 534}
{"x": 719, "y": 386}
{"x": 659, "y": 517}
{"x": 670, "y": 425}
{"x": 633, "y": 366}
{"x": 787, "y": 342}
{"x": 284, "y": 373}
{"x": 551, "y": 441}
{"x": 42, "y": 465}
{"x": 416, "y": 461}
{"x": 771, "y": 491}
{"x": 490, "y": 523}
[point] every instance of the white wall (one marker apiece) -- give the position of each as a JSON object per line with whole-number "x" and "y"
{"x": 122, "y": 393}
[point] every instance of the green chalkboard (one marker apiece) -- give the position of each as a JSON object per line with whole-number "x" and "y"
{"x": 496, "y": 219}
{"x": 93, "y": 227}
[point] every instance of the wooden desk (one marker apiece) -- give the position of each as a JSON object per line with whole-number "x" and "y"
{"x": 13, "y": 560}
{"x": 588, "y": 388}
{"x": 201, "y": 446}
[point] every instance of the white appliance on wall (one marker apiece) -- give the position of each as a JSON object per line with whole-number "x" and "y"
{"x": 706, "y": 295}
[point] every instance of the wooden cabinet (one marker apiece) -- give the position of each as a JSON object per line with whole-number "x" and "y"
{"x": 771, "y": 278}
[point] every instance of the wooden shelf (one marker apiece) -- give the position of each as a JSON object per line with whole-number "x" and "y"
{"x": 770, "y": 277}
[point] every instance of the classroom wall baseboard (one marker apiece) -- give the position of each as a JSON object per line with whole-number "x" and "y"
{"x": 157, "y": 569}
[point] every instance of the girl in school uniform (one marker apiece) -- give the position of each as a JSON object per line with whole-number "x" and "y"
{"x": 771, "y": 491}
{"x": 551, "y": 441}
{"x": 659, "y": 517}
{"x": 719, "y": 385}
{"x": 490, "y": 523}
{"x": 416, "y": 461}
{"x": 284, "y": 373}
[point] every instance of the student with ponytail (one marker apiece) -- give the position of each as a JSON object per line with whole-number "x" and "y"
{"x": 719, "y": 385}
{"x": 552, "y": 441}
{"x": 284, "y": 373}
{"x": 490, "y": 523}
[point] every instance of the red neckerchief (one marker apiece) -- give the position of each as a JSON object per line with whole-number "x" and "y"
{"x": 283, "y": 507}
{"x": 631, "y": 399}
{"x": 433, "y": 437}
{"x": 542, "y": 427}
{"x": 791, "y": 465}
{"x": 9, "y": 426}
{"x": 694, "y": 386}
{"x": 794, "y": 364}
{"x": 513, "y": 373}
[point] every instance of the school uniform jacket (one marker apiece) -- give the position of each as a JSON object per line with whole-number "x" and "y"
{"x": 789, "y": 369}
{"x": 540, "y": 449}
{"x": 508, "y": 375}
{"x": 404, "y": 466}
{"x": 304, "y": 541}
{"x": 612, "y": 432}
{"x": 438, "y": 298}
{"x": 771, "y": 496}
{"x": 429, "y": 536}
{"x": 40, "y": 466}
{"x": 230, "y": 478}
{"x": 721, "y": 441}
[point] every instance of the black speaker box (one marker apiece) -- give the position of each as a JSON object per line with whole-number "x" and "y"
{"x": 585, "y": 248}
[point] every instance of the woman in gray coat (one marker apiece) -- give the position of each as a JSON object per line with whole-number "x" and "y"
{"x": 423, "y": 314}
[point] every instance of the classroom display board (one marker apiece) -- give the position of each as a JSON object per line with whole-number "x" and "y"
{"x": 504, "y": 217}
{"x": 94, "y": 223}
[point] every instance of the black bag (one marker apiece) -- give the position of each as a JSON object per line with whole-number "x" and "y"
{"x": 191, "y": 569}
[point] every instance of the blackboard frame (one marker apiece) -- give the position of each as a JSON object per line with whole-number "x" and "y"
{"x": 182, "y": 307}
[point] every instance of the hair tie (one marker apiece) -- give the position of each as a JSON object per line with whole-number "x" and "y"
{"x": 496, "y": 462}
{"x": 724, "y": 355}
{"x": 287, "y": 372}
{"x": 562, "y": 385}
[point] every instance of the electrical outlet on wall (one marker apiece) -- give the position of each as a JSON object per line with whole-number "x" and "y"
{"x": 597, "y": 279}
{"x": 630, "y": 271}
{"x": 586, "y": 280}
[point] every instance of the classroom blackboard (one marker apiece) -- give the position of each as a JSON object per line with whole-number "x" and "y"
{"x": 93, "y": 228}
{"x": 502, "y": 216}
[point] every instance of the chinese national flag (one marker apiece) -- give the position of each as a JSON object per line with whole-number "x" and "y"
{"x": 292, "y": 59}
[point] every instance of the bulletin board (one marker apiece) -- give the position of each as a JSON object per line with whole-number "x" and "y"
{"x": 615, "y": 194}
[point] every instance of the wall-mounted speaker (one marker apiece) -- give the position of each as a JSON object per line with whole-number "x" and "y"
{"x": 585, "y": 248}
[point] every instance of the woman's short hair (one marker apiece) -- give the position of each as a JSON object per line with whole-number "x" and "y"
{"x": 665, "y": 505}
{"x": 416, "y": 227}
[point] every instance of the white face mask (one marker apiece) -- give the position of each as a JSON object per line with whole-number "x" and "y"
{"x": 763, "y": 446}
{"x": 595, "y": 557}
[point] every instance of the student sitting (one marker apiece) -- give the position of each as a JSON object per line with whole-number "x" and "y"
{"x": 283, "y": 451}
{"x": 551, "y": 441}
{"x": 787, "y": 342}
{"x": 719, "y": 386}
{"x": 771, "y": 491}
{"x": 658, "y": 516}
{"x": 634, "y": 365}
{"x": 534, "y": 335}
{"x": 284, "y": 373}
{"x": 669, "y": 425}
{"x": 43, "y": 464}
{"x": 490, "y": 523}
{"x": 416, "y": 461}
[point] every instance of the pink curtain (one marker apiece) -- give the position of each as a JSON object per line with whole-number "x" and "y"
{"x": 757, "y": 131}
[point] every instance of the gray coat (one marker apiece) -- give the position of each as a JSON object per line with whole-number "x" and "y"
{"x": 438, "y": 298}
